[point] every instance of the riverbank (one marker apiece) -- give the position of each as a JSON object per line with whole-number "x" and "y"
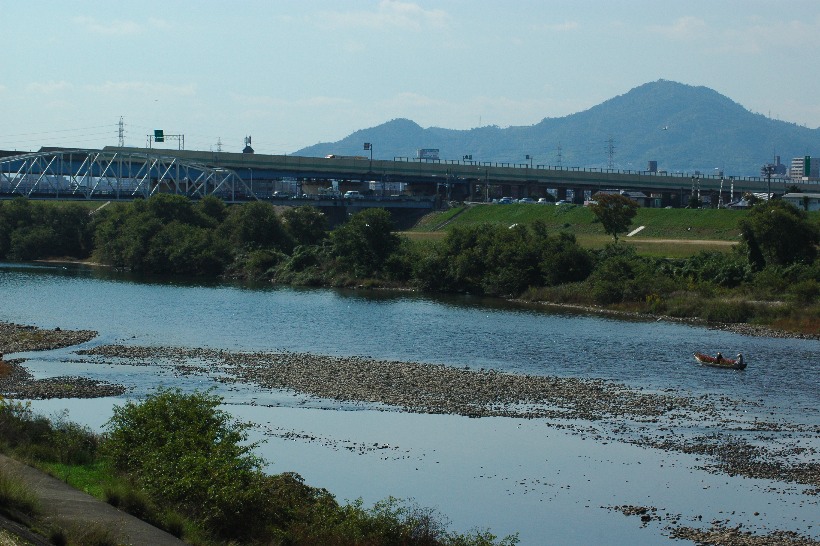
{"x": 742, "y": 328}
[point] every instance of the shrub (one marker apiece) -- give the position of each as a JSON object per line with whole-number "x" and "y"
{"x": 726, "y": 270}
{"x": 16, "y": 496}
{"x": 39, "y": 438}
{"x": 727, "y": 311}
{"x": 259, "y": 264}
{"x": 186, "y": 453}
{"x": 804, "y": 292}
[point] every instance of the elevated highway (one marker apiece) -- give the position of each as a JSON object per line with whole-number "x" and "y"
{"x": 477, "y": 181}
{"x": 128, "y": 173}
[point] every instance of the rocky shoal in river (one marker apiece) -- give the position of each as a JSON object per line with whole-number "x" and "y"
{"x": 17, "y": 382}
{"x": 416, "y": 387}
{"x": 17, "y": 338}
{"x": 429, "y": 388}
{"x": 719, "y": 533}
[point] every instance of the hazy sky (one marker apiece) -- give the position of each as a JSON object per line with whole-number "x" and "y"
{"x": 294, "y": 73}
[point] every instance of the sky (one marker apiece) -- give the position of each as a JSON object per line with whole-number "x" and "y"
{"x": 295, "y": 73}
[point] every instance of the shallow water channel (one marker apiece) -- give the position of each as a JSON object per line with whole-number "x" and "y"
{"x": 554, "y": 482}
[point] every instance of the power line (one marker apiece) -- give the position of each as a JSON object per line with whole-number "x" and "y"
{"x": 59, "y": 131}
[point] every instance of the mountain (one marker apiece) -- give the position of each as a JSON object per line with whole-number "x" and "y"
{"x": 682, "y": 127}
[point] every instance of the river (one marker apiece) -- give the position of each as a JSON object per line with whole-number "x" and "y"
{"x": 554, "y": 483}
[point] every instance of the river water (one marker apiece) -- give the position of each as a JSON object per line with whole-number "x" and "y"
{"x": 552, "y": 484}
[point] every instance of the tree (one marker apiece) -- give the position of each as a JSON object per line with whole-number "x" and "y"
{"x": 307, "y": 225}
{"x": 254, "y": 226}
{"x": 615, "y": 212}
{"x": 778, "y": 233}
{"x": 365, "y": 242}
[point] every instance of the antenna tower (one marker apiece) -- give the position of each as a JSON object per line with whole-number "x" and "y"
{"x": 610, "y": 150}
{"x": 121, "y": 141}
{"x": 219, "y": 144}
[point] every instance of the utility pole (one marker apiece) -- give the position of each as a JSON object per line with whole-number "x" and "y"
{"x": 768, "y": 170}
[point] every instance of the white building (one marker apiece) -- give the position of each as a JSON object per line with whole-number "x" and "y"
{"x": 803, "y": 201}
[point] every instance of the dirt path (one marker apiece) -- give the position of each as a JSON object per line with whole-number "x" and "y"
{"x": 683, "y": 241}
{"x": 69, "y": 508}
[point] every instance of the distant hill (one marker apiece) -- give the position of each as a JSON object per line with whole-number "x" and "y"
{"x": 682, "y": 127}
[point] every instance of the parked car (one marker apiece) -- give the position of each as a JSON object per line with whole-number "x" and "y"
{"x": 543, "y": 201}
{"x": 282, "y": 195}
{"x": 505, "y": 201}
{"x": 562, "y": 202}
{"x": 353, "y": 194}
{"x": 526, "y": 200}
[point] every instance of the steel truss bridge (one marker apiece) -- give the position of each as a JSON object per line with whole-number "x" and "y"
{"x": 117, "y": 175}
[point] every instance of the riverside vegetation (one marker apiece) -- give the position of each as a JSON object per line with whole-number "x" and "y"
{"x": 771, "y": 277}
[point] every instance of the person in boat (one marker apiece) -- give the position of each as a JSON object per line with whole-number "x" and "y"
{"x": 719, "y": 357}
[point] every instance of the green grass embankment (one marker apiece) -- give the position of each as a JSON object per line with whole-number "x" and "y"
{"x": 692, "y": 224}
{"x": 667, "y": 232}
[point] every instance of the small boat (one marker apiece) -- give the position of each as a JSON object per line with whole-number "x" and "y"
{"x": 721, "y": 362}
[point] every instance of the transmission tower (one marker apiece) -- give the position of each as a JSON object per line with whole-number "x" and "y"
{"x": 610, "y": 150}
{"x": 121, "y": 140}
{"x": 558, "y": 155}
{"x": 219, "y": 144}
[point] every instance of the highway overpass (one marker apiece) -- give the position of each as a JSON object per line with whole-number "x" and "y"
{"x": 127, "y": 173}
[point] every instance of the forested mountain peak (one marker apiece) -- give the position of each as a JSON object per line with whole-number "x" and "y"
{"x": 682, "y": 127}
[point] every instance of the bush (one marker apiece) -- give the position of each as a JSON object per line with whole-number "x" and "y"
{"x": 186, "y": 453}
{"x": 804, "y": 292}
{"x": 727, "y": 311}
{"x": 725, "y": 270}
{"x": 37, "y": 437}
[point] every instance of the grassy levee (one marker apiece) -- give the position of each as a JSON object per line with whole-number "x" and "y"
{"x": 692, "y": 224}
{"x": 666, "y": 232}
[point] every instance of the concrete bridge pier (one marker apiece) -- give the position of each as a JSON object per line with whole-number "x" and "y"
{"x": 578, "y": 196}
{"x": 561, "y": 194}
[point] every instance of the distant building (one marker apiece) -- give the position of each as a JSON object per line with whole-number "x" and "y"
{"x": 804, "y": 167}
{"x": 639, "y": 197}
{"x": 803, "y": 201}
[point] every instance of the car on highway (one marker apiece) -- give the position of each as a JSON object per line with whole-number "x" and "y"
{"x": 505, "y": 201}
{"x": 526, "y": 200}
{"x": 353, "y": 194}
